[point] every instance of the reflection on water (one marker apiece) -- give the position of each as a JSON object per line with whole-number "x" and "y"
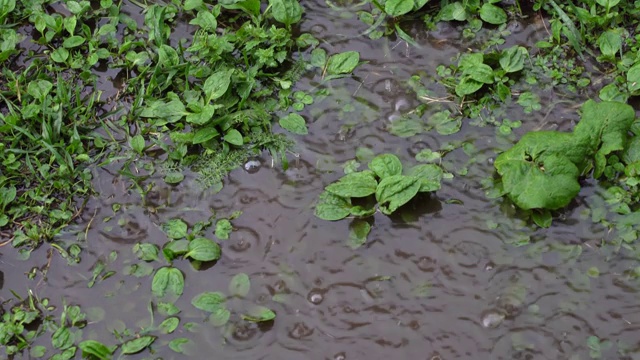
{"x": 449, "y": 284}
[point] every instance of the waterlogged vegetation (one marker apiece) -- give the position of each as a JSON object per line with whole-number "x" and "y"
{"x": 190, "y": 106}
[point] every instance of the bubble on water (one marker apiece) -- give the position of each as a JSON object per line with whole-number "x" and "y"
{"x": 316, "y": 296}
{"x": 340, "y": 356}
{"x": 402, "y": 105}
{"x": 394, "y": 116}
{"x": 300, "y": 330}
{"x": 252, "y": 166}
{"x": 489, "y": 266}
{"x": 492, "y": 319}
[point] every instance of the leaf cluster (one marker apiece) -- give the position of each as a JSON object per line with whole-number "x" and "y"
{"x": 384, "y": 185}
{"x": 542, "y": 170}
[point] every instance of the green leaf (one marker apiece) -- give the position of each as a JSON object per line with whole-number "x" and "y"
{"x": 604, "y": 127}
{"x": 219, "y": 317}
{"x": 540, "y": 171}
{"x": 7, "y": 195}
{"x": 173, "y": 177}
{"x": 217, "y": 84}
{"x": 240, "y": 285}
{"x": 444, "y": 123}
{"x": 62, "y": 338}
{"x": 209, "y": 301}
{"x": 385, "y": 165}
{"x": 223, "y": 229}
{"x": 38, "y": 351}
{"x": 192, "y": 4}
{"x": 512, "y": 59}
{"x": 542, "y": 218}
{"x": 60, "y": 55}
{"x": 286, "y": 11}
{"x": 480, "y": 72}
{"x": 175, "y": 228}
{"x": 633, "y": 79}
{"x": 205, "y": 20}
{"x": 294, "y": 123}
{"x": 234, "y": 137}
{"x": 427, "y": 155}
{"x": 492, "y": 14}
{"x": 453, "y": 11}
{"x": 137, "y": 143}
{"x": 332, "y": 207}
{"x": 357, "y": 184}
{"x": 610, "y": 42}
{"x": 203, "y": 249}
{"x": 358, "y": 231}
{"x": 395, "y": 191}
{"x": 169, "y": 325}
{"x": 429, "y": 175}
{"x": 179, "y": 345}
{"x": 467, "y": 86}
{"x": 39, "y": 89}
{"x": 318, "y": 57}
{"x": 146, "y": 252}
{"x": 167, "y": 280}
{"x": 96, "y": 349}
{"x": 138, "y": 344}
{"x": 343, "y": 63}
{"x": 205, "y": 134}
{"x": 398, "y": 7}
{"x": 259, "y": 314}
{"x": 73, "y": 41}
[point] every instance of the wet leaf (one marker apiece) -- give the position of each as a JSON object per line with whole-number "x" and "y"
{"x": 358, "y": 231}
{"x": 398, "y": 7}
{"x": 217, "y": 84}
{"x": 633, "y": 79}
{"x": 179, "y": 345}
{"x": 395, "y": 191}
{"x": 234, "y": 137}
{"x": 512, "y": 59}
{"x": 492, "y": 14}
{"x": 223, "y": 229}
{"x": 169, "y": 325}
{"x": 343, "y": 63}
{"x": 259, "y": 314}
{"x": 604, "y": 126}
{"x": 538, "y": 172}
{"x": 173, "y": 178}
{"x": 453, "y": 11}
{"x": 62, "y": 338}
{"x": 96, "y": 349}
{"x": 219, "y": 317}
{"x": 205, "y": 134}
{"x": 610, "y": 42}
{"x": 137, "y": 143}
{"x": 294, "y": 123}
{"x": 444, "y": 123}
{"x": 429, "y": 175}
{"x": 357, "y": 184}
{"x": 286, "y": 11}
{"x": 146, "y": 252}
{"x": 175, "y": 228}
{"x": 38, "y": 351}
{"x": 167, "y": 280}
{"x": 240, "y": 285}
{"x": 73, "y": 41}
{"x": 467, "y": 86}
{"x": 332, "y": 207}
{"x": 385, "y": 165}
{"x": 209, "y": 301}
{"x": 542, "y": 218}
{"x": 203, "y": 249}
{"x": 136, "y": 345}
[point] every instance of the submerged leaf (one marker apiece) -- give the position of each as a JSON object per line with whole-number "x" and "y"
{"x": 332, "y": 207}
{"x": 138, "y": 344}
{"x": 343, "y": 63}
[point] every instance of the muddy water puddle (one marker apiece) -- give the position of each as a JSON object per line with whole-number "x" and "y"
{"x": 444, "y": 279}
